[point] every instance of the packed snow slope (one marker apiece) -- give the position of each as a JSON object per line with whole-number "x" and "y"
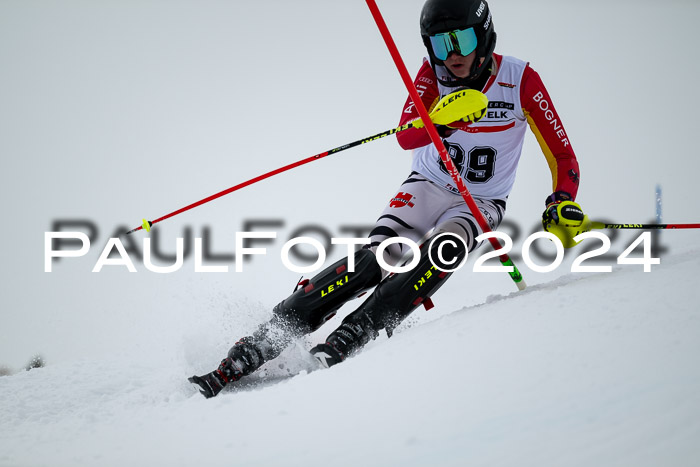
{"x": 112, "y": 111}
{"x": 589, "y": 369}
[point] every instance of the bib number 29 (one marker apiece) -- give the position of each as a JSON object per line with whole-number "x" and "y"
{"x": 477, "y": 167}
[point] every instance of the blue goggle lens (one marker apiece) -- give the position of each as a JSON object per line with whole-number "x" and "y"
{"x": 462, "y": 41}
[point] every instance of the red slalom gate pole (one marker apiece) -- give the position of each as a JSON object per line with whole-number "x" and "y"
{"x": 435, "y": 137}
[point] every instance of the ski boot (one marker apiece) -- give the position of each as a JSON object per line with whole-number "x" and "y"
{"x": 355, "y": 331}
{"x": 212, "y": 383}
{"x": 243, "y": 359}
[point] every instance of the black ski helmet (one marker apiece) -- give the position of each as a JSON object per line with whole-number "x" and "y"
{"x": 440, "y": 16}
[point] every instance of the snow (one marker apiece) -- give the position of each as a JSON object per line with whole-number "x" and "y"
{"x": 585, "y": 370}
{"x": 113, "y": 111}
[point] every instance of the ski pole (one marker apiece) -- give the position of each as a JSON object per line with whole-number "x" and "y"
{"x": 432, "y": 131}
{"x": 601, "y": 225}
{"x": 453, "y": 107}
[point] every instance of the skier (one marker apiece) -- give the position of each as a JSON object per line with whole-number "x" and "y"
{"x": 460, "y": 39}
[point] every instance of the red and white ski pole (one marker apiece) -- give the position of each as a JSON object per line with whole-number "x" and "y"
{"x": 602, "y": 225}
{"x": 455, "y": 106}
{"x": 437, "y": 141}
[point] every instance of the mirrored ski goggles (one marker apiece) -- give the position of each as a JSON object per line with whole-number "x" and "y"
{"x": 462, "y": 41}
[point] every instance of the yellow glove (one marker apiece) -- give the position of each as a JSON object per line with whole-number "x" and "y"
{"x": 565, "y": 219}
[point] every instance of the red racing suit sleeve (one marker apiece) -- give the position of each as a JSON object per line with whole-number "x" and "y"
{"x": 426, "y": 84}
{"x": 546, "y": 125}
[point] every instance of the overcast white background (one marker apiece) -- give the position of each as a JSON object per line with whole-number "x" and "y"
{"x": 113, "y": 111}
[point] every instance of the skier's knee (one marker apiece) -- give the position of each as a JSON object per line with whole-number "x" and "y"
{"x": 458, "y": 229}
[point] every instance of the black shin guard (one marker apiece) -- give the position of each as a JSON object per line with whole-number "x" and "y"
{"x": 315, "y": 303}
{"x": 393, "y": 300}
{"x": 397, "y": 296}
{"x": 308, "y": 308}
